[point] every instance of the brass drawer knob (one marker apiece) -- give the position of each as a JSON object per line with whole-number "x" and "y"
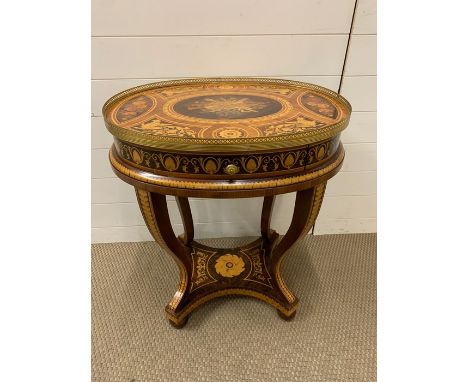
{"x": 231, "y": 169}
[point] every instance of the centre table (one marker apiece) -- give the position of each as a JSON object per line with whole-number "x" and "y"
{"x": 227, "y": 138}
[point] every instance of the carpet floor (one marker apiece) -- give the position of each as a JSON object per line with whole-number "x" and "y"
{"x": 332, "y": 338}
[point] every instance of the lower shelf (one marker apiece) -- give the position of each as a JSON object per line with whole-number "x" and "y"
{"x": 243, "y": 270}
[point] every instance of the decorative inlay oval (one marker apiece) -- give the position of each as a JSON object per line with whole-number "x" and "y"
{"x": 231, "y": 133}
{"x": 227, "y": 106}
{"x": 170, "y": 163}
{"x": 319, "y": 105}
{"x": 133, "y": 108}
{"x": 251, "y": 165}
{"x": 136, "y": 156}
{"x": 289, "y": 161}
{"x": 210, "y": 166}
{"x": 321, "y": 152}
{"x": 229, "y": 265}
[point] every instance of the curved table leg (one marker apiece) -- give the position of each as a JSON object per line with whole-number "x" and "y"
{"x": 187, "y": 221}
{"x": 267, "y": 209}
{"x": 306, "y": 210}
{"x": 154, "y": 209}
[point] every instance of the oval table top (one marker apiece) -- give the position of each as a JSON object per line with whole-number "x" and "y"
{"x": 226, "y": 137}
{"x": 226, "y": 114}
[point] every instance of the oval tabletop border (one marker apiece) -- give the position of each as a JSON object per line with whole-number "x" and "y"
{"x": 226, "y": 145}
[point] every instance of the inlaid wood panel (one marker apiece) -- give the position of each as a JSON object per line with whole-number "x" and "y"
{"x": 207, "y": 56}
{"x": 227, "y": 17}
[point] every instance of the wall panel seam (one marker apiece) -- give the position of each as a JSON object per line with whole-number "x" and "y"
{"x": 347, "y": 45}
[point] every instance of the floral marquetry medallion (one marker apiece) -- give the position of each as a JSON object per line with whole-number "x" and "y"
{"x": 242, "y": 265}
{"x": 227, "y": 106}
{"x": 133, "y": 108}
{"x": 229, "y": 265}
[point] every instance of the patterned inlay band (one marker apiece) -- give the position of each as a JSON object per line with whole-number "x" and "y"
{"x": 222, "y": 185}
{"x": 249, "y": 165}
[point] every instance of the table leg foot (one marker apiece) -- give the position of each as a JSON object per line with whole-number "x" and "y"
{"x": 179, "y": 324}
{"x": 286, "y": 317}
{"x": 306, "y": 209}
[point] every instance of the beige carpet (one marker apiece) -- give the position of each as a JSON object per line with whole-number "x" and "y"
{"x": 332, "y": 338}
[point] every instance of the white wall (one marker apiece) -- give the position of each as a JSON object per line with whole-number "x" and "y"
{"x": 139, "y": 42}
